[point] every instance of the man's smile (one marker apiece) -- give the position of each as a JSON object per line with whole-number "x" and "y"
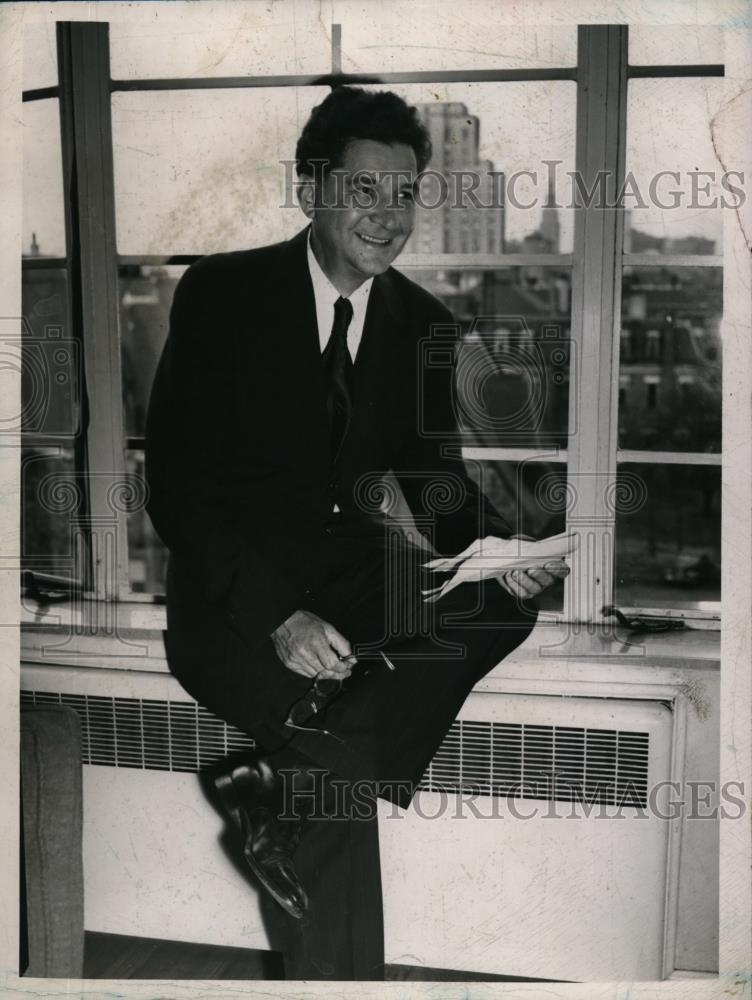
{"x": 374, "y": 240}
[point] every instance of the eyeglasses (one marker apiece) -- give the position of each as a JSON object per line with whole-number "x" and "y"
{"x": 320, "y": 695}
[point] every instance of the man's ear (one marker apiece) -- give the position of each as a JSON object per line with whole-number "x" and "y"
{"x": 307, "y": 196}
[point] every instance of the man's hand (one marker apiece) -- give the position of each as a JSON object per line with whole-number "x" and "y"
{"x": 531, "y": 582}
{"x": 312, "y": 647}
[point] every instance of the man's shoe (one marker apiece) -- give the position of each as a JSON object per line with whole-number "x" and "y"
{"x": 251, "y": 793}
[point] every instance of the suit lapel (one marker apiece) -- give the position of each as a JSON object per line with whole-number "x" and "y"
{"x": 294, "y": 293}
{"x": 299, "y": 336}
{"x": 381, "y": 338}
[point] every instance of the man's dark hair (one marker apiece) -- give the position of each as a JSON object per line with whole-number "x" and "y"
{"x": 350, "y": 113}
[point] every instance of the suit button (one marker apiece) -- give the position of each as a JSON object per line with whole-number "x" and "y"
{"x": 334, "y": 484}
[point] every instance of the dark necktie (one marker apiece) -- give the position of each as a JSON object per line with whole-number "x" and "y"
{"x": 338, "y": 373}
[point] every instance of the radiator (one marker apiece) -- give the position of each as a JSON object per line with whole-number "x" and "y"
{"x": 500, "y": 759}
{"x": 507, "y": 862}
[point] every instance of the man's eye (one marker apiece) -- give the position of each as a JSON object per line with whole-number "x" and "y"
{"x": 364, "y": 194}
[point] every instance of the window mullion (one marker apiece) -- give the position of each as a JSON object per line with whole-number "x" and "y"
{"x": 83, "y": 51}
{"x": 596, "y": 294}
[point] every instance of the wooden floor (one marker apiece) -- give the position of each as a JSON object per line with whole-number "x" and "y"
{"x": 116, "y": 956}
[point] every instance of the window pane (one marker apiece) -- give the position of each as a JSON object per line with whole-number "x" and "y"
{"x": 51, "y": 497}
{"x": 39, "y": 56}
{"x": 670, "y": 359}
{"x": 675, "y": 44}
{"x": 393, "y": 36}
{"x": 514, "y": 360}
{"x": 145, "y": 300}
{"x": 201, "y": 171}
{"x": 43, "y": 215}
{"x": 669, "y": 130}
{"x": 147, "y": 556}
{"x": 668, "y": 535}
{"x": 244, "y": 40}
{"x": 495, "y": 132}
{"x": 52, "y": 363}
{"x": 532, "y": 497}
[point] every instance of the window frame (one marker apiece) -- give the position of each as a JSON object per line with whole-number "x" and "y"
{"x": 592, "y": 457}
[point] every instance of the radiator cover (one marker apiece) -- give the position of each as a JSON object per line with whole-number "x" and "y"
{"x": 521, "y": 760}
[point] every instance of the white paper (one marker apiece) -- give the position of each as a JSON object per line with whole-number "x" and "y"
{"x": 488, "y": 557}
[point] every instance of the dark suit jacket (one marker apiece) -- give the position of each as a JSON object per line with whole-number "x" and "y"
{"x": 238, "y": 461}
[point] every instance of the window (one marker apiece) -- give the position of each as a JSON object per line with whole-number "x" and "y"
{"x": 667, "y": 536}
{"x": 673, "y": 191}
{"x": 532, "y": 272}
{"x": 653, "y": 345}
{"x": 172, "y": 148}
{"x": 651, "y": 390}
{"x": 626, "y": 344}
{"x": 50, "y": 353}
{"x": 677, "y": 343}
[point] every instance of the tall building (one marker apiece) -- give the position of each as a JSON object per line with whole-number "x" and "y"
{"x": 549, "y": 228}
{"x": 464, "y": 213}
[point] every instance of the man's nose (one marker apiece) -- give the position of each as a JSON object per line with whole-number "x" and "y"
{"x": 386, "y": 212}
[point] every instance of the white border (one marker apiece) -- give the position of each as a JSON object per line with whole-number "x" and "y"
{"x": 731, "y": 130}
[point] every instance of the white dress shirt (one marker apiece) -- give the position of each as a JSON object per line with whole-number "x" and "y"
{"x": 326, "y": 295}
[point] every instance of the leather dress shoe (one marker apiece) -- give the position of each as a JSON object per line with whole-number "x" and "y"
{"x": 251, "y": 793}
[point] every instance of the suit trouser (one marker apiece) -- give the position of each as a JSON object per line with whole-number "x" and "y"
{"x": 341, "y": 936}
{"x": 387, "y": 725}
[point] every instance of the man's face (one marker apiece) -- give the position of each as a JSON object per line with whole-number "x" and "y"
{"x": 363, "y": 212}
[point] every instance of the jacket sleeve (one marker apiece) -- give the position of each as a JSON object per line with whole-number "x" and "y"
{"x": 430, "y": 469}
{"x": 190, "y": 452}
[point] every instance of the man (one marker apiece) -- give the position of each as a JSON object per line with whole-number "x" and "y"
{"x": 293, "y": 379}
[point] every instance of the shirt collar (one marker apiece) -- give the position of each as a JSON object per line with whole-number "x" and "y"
{"x": 323, "y": 288}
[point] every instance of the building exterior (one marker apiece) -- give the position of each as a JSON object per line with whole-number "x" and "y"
{"x": 460, "y": 208}
{"x": 670, "y": 359}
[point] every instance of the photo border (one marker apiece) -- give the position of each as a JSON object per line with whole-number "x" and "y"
{"x": 731, "y": 130}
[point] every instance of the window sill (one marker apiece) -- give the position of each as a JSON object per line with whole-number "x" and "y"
{"x": 129, "y": 636}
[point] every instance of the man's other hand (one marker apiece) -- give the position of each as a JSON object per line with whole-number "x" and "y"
{"x": 312, "y": 647}
{"x": 533, "y": 581}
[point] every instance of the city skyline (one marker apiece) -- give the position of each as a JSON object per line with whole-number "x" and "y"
{"x": 169, "y": 152}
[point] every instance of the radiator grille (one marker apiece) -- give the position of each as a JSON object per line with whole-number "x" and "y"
{"x": 542, "y": 762}
{"x": 488, "y": 758}
{"x": 147, "y": 734}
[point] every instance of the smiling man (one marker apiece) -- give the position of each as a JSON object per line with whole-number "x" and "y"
{"x": 291, "y": 383}
{"x": 362, "y": 212}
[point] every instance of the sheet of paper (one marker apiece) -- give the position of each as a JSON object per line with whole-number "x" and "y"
{"x": 488, "y": 557}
